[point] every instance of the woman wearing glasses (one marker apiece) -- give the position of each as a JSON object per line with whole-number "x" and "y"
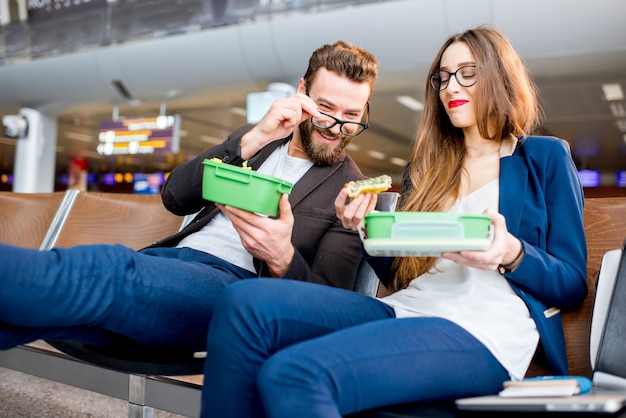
{"x": 453, "y": 326}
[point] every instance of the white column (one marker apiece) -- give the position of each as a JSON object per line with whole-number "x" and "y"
{"x": 35, "y": 154}
{"x": 5, "y": 13}
{"x": 22, "y": 10}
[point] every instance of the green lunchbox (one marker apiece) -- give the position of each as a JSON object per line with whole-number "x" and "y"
{"x": 242, "y": 188}
{"x": 401, "y": 234}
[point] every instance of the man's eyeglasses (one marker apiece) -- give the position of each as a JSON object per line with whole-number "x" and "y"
{"x": 347, "y": 128}
{"x": 465, "y": 76}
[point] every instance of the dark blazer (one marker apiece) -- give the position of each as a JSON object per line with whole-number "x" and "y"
{"x": 542, "y": 201}
{"x": 325, "y": 253}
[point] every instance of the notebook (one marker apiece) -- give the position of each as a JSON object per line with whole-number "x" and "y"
{"x": 607, "y": 352}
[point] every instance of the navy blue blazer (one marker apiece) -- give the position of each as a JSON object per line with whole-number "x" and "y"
{"x": 542, "y": 201}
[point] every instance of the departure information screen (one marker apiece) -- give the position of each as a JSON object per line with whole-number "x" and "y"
{"x": 147, "y": 135}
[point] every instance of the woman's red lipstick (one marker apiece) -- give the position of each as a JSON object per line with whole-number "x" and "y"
{"x": 456, "y": 103}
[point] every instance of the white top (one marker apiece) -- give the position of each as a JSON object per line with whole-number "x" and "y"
{"x": 220, "y": 238}
{"x": 482, "y": 302}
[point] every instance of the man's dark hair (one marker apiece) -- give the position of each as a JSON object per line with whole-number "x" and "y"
{"x": 345, "y": 59}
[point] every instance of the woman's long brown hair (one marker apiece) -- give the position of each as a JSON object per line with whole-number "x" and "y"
{"x": 505, "y": 102}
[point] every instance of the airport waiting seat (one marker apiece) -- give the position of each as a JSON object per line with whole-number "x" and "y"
{"x": 134, "y": 220}
{"x": 67, "y": 218}
{"x": 137, "y": 221}
{"x": 27, "y": 217}
{"x": 149, "y": 221}
{"x": 605, "y": 224}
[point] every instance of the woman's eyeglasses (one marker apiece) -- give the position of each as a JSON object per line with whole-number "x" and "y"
{"x": 465, "y": 76}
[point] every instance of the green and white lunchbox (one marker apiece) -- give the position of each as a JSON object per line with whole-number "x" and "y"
{"x": 420, "y": 234}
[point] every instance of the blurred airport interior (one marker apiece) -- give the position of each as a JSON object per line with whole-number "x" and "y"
{"x": 79, "y": 66}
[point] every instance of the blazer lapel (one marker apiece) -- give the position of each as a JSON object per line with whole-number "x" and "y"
{"x": 315, "y": 176}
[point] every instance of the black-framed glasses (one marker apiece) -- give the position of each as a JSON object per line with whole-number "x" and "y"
{"x": 347, "y": 128}
{"x": 465, "y": 76}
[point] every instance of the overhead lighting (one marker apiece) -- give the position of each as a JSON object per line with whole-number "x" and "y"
{"x": 173, "y": 93}
{"x": 376, "y": 155}
{"x": 239, "y": 111}
{"x": 612, "y": 92}
{"x": 80, "y": 137}
{"x": 398, "y": 161}
{"x": 410, "y": 102}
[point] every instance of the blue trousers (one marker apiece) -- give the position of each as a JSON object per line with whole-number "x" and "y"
{"x": 159, "y": 296}
{"x": 281, "y": 348}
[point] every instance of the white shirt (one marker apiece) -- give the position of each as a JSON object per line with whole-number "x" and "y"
{"x": 482, "y": 302}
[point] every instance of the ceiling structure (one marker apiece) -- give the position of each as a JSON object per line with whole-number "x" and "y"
{"x": 572, "y": 48}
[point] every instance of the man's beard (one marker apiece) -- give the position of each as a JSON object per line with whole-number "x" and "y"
{"x": 322, "y": 154}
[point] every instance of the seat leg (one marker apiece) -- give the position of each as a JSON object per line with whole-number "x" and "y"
{"x": 139, "y": 411}
{"x": 137, "y": 398}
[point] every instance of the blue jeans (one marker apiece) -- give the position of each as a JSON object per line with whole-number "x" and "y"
{"x": 159, "y": 296}
{"x": 281, "y": 348}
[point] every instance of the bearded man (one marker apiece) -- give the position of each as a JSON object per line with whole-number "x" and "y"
{"x": 163, "y": 295}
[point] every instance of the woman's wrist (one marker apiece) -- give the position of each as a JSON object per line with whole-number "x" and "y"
{"x": 511, "y": 266}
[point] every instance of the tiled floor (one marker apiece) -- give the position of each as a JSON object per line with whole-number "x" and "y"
{"x": 26, "y": 396}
